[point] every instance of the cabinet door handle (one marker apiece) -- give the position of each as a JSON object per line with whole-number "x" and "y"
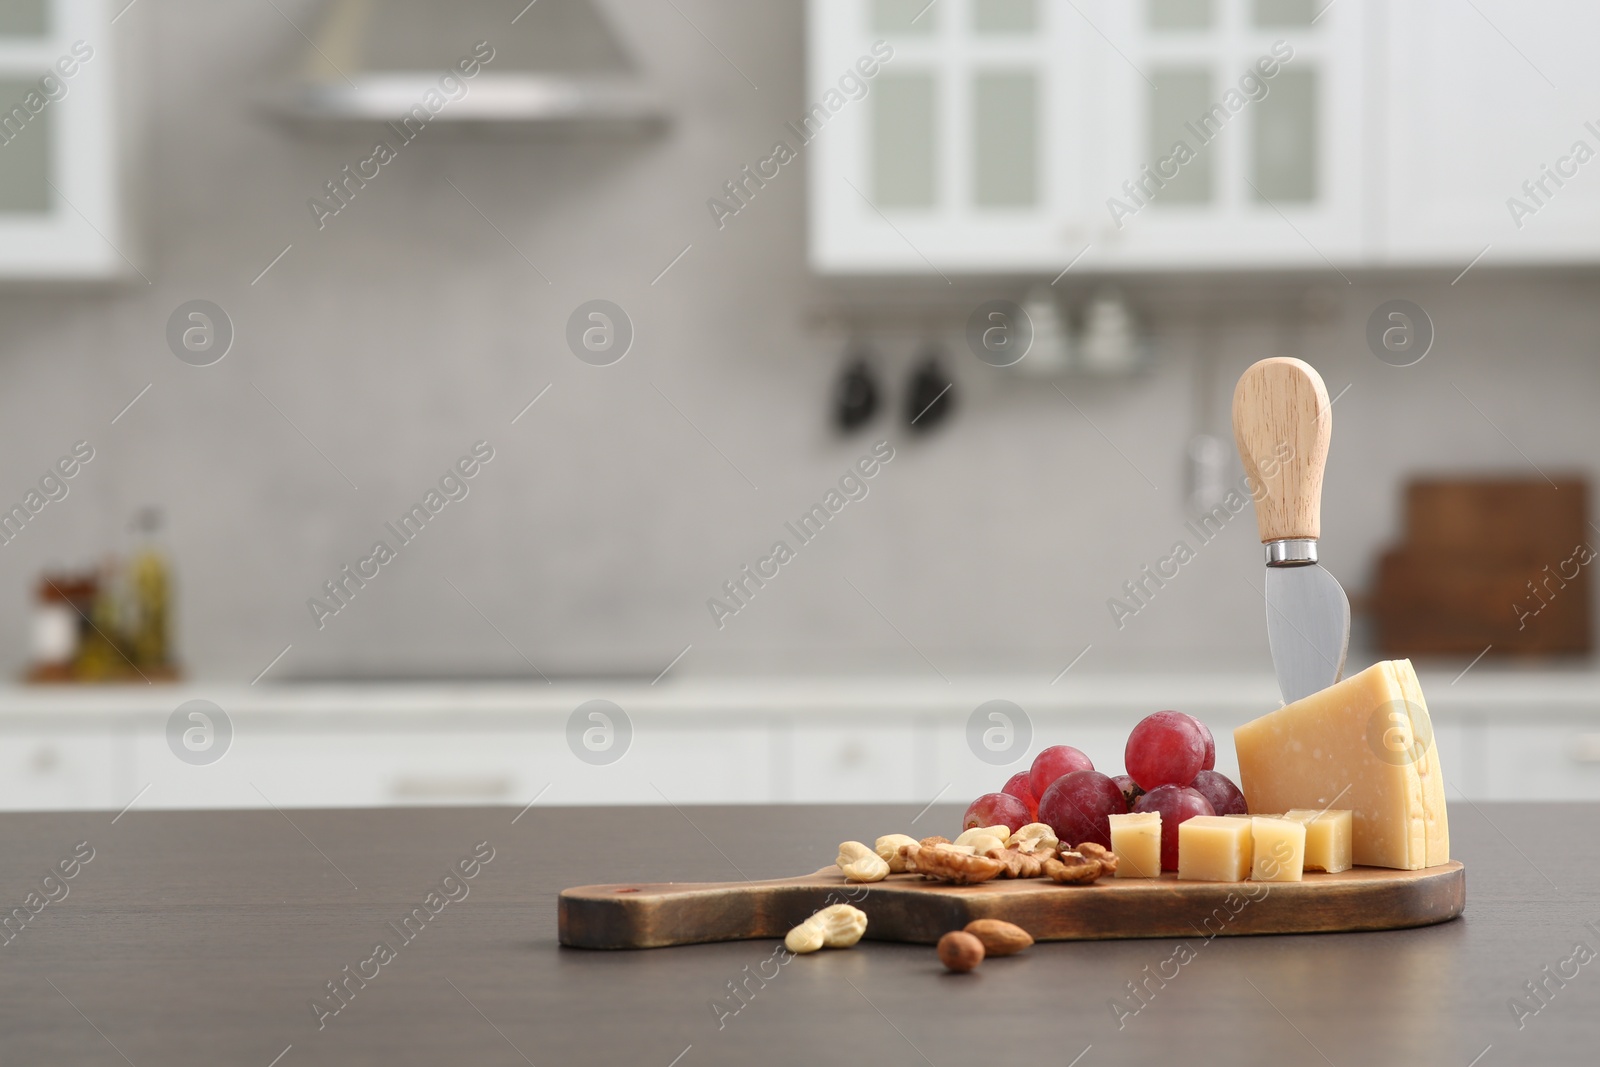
{"x": 421, "y": 787}
{"x": 1585, "y": 748}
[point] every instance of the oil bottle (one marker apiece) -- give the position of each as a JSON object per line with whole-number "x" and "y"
{"x": 149, "y": 599}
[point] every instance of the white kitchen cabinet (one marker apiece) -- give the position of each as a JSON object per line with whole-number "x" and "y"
{"x": 1001, "y": 134}
{"x": 340, "y": 765}
{"x": 1559, "y": 759}
{"x": 45, "y": 768}
{"x": 1015, "y": 135}
{"x": 967, "y": 149}
{"x": 714, "y": 758}
{"x": 61, "y": 215}
{"x": 1480, "y": 99}
{"x": 1455, "y": 741}
{"x": 732, "y": 741}
{"x": 354, "y": 763}
{"x": 852, "y": 761}
{"x": 1229, "y": 134}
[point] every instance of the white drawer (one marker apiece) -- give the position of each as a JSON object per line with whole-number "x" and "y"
{"x": 710, "y": 759}
{"x": 56, "y": 770}
{"x": 839, "y": 761}
{"x": 1460, "y": 757}
{"x": 344, "y": 767}
{"x": 1542, "y": 761}
{"x": 699, "y": 761}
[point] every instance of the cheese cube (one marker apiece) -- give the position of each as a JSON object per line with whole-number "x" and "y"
{"x": 1280, "y": 849}
{"x": 1365, "y": 744}
{"x": 1327, "y": 839}
{"x": 1136, "y": 840}
{"x": 1214, "y": 848}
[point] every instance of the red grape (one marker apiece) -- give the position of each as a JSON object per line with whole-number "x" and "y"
{"x": 1211, "y": 745}
{"x": 1052, "y": 763}
{"x": 1167, "y": 748}
{"x": 1224, "y": 796}
{"x": 1176, "y": 804}
{"x": 1077, "y": 804}
{"x": 1017, "y": 785}
{"x": 996, "y": 809}
{"x": 1130, "y": 789}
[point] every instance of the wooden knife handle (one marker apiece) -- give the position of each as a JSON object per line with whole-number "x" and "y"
{"x": 1281, "y": 422}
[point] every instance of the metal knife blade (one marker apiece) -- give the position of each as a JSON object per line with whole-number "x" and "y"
{"x": 1308, "y": 628}
{"x": 1282, "y": 423}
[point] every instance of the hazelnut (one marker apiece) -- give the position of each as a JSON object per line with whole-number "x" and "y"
{"x": 960, "y": 951}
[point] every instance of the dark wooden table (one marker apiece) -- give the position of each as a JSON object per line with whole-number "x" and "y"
{"x": 205, "y": 938}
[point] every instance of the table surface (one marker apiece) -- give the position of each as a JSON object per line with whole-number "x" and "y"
{"x": 206, "y": 937}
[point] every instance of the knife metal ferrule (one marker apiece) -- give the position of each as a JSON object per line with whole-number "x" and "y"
{"x": 1291, "y": 552}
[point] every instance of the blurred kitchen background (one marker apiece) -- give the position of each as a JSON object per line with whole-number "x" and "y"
{"x": 1402, "y": 197}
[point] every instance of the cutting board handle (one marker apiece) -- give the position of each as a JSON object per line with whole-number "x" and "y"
{"x": 1282, "y": 421}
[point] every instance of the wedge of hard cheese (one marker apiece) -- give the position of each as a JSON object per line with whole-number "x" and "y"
{"x": 1365, "y": 744}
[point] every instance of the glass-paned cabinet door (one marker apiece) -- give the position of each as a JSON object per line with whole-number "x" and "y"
{"x": 59, "y": 212}
{"x": 944, "y": 136}
{"x": 1232, "y": 133}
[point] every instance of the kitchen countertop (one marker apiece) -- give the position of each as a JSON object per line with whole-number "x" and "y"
{"x": 203, "y": 937}
{"x": 1480, "y": 691}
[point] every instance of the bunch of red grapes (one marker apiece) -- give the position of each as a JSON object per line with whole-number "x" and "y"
{"x": 1169, "y": 758}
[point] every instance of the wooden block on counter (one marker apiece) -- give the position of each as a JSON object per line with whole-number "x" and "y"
{"x": 1426, "y": 603}
{"x": 1497, "y": 516}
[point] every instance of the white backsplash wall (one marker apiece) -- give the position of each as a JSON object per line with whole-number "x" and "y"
{"x": 409, "y": 328}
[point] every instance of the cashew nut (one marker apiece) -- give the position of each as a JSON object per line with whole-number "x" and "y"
{"x": 842, "y": 925}
{"x": 966, "y": 836}
{"x": 983, "y": 844}
{"x": 807, "y": 937}
{"x": 860, "y": 863}
{"x": 1033, "y": 837}
{"x": 836, "y": 926}
{"x": 888, "y": 849}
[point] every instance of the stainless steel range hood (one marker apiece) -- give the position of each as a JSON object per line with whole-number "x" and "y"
{"x": 554, "y": 64}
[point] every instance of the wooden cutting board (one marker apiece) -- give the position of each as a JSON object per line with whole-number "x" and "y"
{"x": 1487, "y": 563}
{"x": 905, "y": 907}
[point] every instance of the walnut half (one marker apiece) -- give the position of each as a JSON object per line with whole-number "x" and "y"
{"x": 949, "y": 865}
{"x": 1082, "y": 865}
{"x": 1020, "y": 864}
{"x": 1107, "y": 858}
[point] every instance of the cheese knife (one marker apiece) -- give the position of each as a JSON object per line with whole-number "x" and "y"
{"x": 1282, "y": 421}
